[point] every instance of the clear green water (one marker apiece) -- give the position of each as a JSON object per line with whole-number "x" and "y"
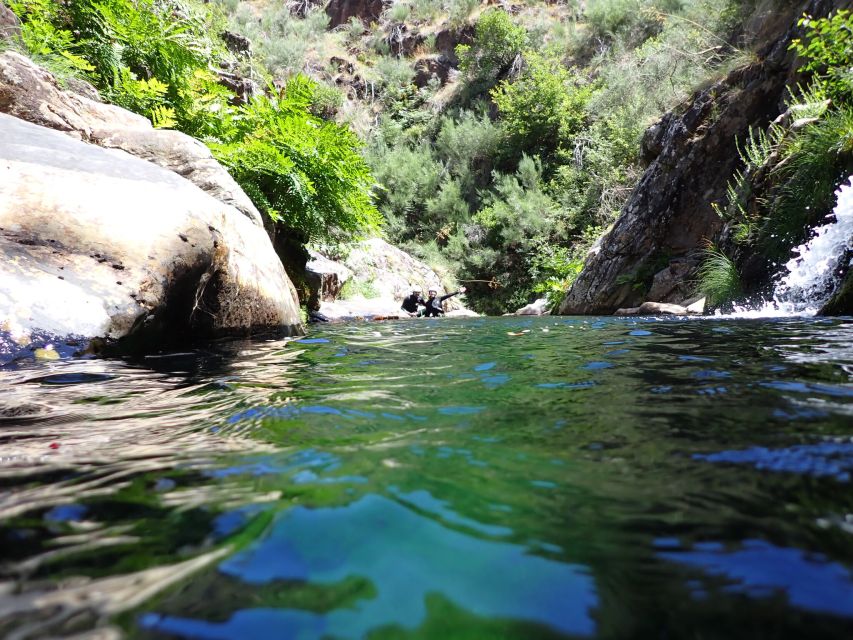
{"x": 613, "y": 478}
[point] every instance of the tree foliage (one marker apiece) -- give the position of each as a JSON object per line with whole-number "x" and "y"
{"x": 827, "y": 50}
{"x": 301, "y": 170}
{"x": 545, "y": 107}
{"x": 497, "y": 42}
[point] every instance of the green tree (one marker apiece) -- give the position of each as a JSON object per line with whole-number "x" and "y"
{"x": 545, "y": 107}
{"x": 497, "y": 42}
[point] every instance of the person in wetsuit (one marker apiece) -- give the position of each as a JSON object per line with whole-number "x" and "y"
{"x": 411, "y": 302}
{"x": 433, "y": 303}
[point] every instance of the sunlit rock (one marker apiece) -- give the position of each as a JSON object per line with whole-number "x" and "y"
{"x": 96, "y": 242}
{"x": 31, "y": 93}
{"x": 537, "y": 308}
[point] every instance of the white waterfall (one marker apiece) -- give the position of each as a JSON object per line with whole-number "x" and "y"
{"x": 813, "y": 275}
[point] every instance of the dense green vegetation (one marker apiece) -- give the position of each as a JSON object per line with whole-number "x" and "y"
{"x": 509, "y": 173}
{"x": 503, "y": 168}
{"x": 790, "y": 170}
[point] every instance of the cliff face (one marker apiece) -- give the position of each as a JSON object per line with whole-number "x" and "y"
{"x": 692, "y": 153}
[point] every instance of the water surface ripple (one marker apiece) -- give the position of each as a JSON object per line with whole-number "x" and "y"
{"x": 486, "y": 478}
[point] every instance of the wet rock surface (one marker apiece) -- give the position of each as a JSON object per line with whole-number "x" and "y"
{"x": 98, "y": 243}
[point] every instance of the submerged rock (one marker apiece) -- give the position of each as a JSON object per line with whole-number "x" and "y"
{"x": 96, "y": 242}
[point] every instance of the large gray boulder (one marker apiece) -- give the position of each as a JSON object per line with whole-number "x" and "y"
{"x": 96, "y": 242}
{"x": 31, "y": 93}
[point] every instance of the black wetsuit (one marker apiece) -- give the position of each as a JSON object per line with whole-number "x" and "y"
{"x": 410, "y": 303}
{"x": 433, "y": 305}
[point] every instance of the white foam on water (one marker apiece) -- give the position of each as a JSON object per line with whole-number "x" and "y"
{"x": 814, "y": 274}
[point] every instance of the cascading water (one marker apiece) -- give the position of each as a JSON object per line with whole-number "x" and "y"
{"x": 815, "y": 273}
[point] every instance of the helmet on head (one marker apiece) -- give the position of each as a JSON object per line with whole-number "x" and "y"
{"x": 432, "y": 292}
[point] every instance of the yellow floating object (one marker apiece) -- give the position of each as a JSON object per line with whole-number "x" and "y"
{"x": 46, "y": 354}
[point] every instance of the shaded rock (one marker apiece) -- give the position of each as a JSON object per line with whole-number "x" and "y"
{"x": 671, "y": 283}
{"x": 433, "y": 67}
{"x": 692, "y": 153}
{"x": 841, "y": 303}
{"x": 237, "y": 43}
{"x": 447, "y": 39}
{"x": 244, "y": 88}
{"x": 98, "y": 243}
{"x": 402, "y": 41}
{"x": 661, "y": 309}
{"x": 340, "y": 11}
{"x": 31, "y": 93}
{"x": 537, "y": 308}
{"x": 325, "y": 278}
{"x": 10, "y": 26}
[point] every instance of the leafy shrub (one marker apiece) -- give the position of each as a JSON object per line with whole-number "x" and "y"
{"x": 458, "y": 11}
{"x": 302, "y": 171}
{"x": 140, "y": 54}
{"x": 359, "y": 288}
{"x": 544, "y": 107}
{"x": 154, "y": 58}
{"x": 828, "y": 51}
{"x": 554, "y": 269}
{"x": 818, "y": 159}
{"x": 497, "y": 42}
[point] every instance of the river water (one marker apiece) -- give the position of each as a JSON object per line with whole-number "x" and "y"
{"x": 486, "y": 478}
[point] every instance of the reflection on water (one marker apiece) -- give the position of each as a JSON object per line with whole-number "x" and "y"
{"x": 438, "y": 478}
{"x": 406, "y": 557}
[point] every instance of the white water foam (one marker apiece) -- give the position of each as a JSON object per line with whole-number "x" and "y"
{"x": 815, "y": 273}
